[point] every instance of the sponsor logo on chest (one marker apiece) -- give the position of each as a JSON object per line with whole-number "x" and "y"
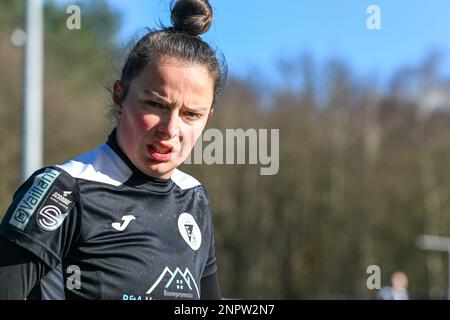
{"x": 170, "y": 284}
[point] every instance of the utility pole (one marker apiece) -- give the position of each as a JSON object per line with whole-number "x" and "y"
{"x": 32, "y": 90}
{"x": 435, "y": 243}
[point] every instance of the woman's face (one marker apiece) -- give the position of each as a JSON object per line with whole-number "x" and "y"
{"x": 164, "y": 113}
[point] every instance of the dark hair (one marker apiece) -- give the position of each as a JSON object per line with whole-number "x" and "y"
{"x": 190, "y": 19}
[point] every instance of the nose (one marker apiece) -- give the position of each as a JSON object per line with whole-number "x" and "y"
{"x": 168, "y": 126}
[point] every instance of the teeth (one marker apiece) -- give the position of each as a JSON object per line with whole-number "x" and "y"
{"x": 161, "y": 149}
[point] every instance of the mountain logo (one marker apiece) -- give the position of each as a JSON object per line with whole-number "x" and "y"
{"x": 189, "y": 230}
{"x": 175, "y": 284}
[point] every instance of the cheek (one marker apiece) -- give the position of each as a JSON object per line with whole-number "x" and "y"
{"x": 190, "y": 136}
{"x": 144, "y": 122}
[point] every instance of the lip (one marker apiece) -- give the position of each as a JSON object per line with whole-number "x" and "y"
{"x": 158, "y": 156}
{"x": 164, "y": 145}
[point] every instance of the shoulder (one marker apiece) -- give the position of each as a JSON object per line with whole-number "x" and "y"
{"x": 48, "y": 180}
{"x": 193, "y": 187}
{"x": 99, "y": 165}
{"x": 184, "y": 181}
{"x": 47, "y": 186}
{"x": 50, "y": 175}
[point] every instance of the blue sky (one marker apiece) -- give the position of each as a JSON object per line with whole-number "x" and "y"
{"x": 254, "y": 34}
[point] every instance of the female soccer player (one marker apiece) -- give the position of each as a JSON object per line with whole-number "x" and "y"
{"x": 121, "y": 221}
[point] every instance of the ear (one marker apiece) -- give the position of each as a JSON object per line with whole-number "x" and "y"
{"x": 211, "y": 112}
{"x": 117, "y": 98}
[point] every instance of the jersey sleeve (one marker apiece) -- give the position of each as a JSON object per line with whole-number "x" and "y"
{"x": 210, "y": 288}
{"x": 20, "y": 271}
{"x": 44, "y": 215}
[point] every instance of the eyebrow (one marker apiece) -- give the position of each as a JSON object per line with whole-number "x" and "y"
{"x": 162, "y": 99}
{"x": 155, "y": 95}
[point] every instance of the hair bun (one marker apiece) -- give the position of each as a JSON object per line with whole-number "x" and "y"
{"x": 193, "y": 17}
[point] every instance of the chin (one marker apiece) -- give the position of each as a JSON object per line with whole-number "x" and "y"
{"x": 162, "y": 170}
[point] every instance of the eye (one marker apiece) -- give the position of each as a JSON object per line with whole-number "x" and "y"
{"x": 192, "y": 115}
{"x": 154, "y": 104}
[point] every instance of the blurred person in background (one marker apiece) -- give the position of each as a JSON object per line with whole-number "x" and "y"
{"x": 121, "y": 221}
{"x": 398, "y": 289}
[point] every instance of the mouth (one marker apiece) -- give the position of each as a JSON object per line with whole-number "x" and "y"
{"x": 161, "y": 148}
{"x": 160, "y": 152}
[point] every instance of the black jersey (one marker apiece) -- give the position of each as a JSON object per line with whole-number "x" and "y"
{"x": 107, "y": 231}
